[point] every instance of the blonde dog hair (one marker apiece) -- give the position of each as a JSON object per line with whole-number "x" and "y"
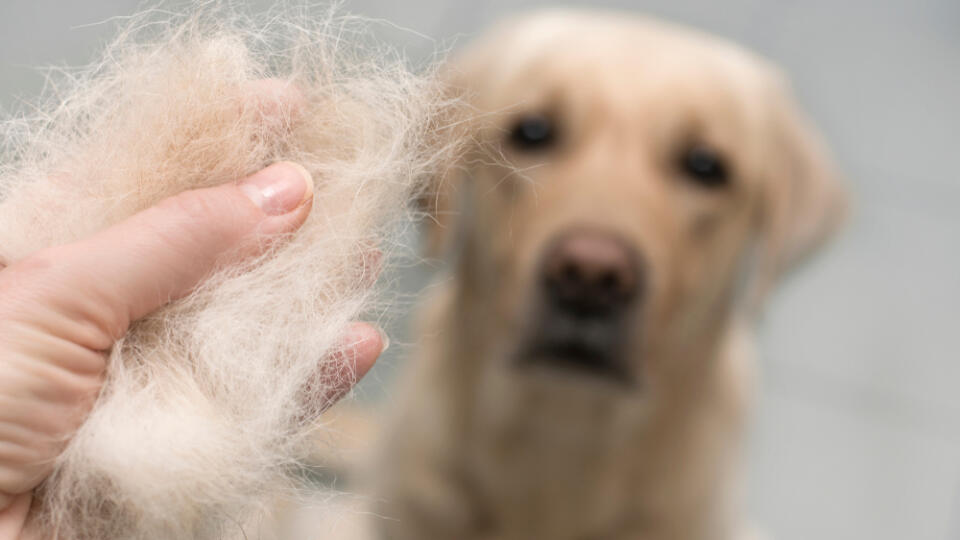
{"x": 203, "y": 415}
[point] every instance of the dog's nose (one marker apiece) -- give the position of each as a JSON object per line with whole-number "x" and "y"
{"x": 588, "y": 271}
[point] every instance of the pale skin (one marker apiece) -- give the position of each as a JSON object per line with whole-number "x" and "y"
{"x": 62, "y": 309}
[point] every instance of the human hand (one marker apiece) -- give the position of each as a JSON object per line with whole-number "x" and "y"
{"x": 62, "y": 308}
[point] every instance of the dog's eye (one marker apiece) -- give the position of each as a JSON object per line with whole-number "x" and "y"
{"x": 533, "y": 133}
{"x": 704, "y": 166}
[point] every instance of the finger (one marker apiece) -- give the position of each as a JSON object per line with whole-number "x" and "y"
{"x": 372, "y": 264}
{"x": 14, "y": 516}
{"x": 160, "y": 254}
{"x": 363, "y": 345}
{"x": 277, "y": 102}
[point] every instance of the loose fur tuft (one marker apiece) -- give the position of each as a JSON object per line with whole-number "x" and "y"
{"x": 203, "y": 417}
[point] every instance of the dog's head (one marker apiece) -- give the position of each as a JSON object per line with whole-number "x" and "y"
{"x": 631, "y": 187}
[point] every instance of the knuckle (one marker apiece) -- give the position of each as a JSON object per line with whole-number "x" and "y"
{"x": 16, "y": 477}
{"x": 192, "y": 206}
{"x": 81, "y": 389}
{"x": 24, "y": 279}
{"x": 206, "y": 218}
{"x": 38, "y": 262}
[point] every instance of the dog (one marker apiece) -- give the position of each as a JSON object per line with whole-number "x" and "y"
{"x": 632, "y": 191}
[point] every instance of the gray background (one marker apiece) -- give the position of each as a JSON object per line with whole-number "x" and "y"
{"x": 857, "y": 435}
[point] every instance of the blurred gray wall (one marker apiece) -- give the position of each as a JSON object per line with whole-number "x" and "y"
{"x": 857, "y": 434}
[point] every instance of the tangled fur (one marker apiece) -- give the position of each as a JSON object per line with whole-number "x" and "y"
{"x": 203, "y": 417}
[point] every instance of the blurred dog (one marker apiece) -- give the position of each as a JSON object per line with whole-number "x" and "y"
{"x": 633, "y": 190}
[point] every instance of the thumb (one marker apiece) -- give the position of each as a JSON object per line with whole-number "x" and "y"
{"x": 129, "y": 270}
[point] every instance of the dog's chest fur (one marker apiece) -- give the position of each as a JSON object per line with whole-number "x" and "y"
{"x": 512, "y": 454}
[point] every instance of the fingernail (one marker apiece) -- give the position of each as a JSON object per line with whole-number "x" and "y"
{"x": 279, "y": 189}
{"x": 384, "y": 338}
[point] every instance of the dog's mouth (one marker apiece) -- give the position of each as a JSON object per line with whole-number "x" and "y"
{"x": 581, "y": 346}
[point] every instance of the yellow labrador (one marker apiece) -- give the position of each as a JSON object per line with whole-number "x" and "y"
{"x": 633, "y": 190}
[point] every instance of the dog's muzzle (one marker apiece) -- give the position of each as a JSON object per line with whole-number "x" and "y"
{"x": 591, "y": 281}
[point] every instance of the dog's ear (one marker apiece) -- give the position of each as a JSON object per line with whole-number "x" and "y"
{"x": 803, "y": 201}
{"x": 439, "y": 200}
{"x": 438, "y": 205}
{"x": 442, "y": 199}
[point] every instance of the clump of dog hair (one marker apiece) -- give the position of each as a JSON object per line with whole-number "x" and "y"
{"x": 203, "y": 417}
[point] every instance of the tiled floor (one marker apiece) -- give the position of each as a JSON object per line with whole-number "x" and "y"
{"x": 858, "y": 431}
